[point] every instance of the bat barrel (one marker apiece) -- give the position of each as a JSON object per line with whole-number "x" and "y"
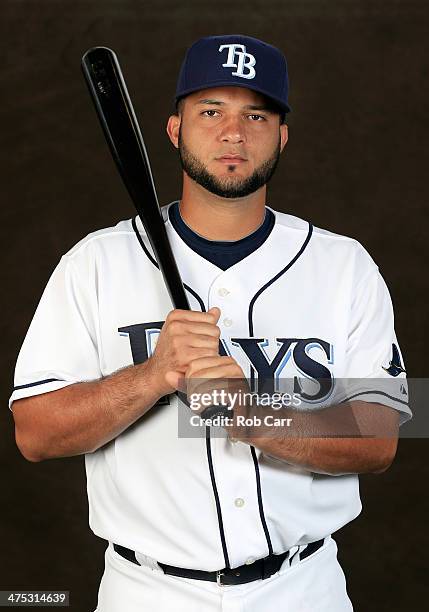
{"x": 112, "y": 102}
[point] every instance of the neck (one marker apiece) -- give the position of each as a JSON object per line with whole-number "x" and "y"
{"x": 217, "y": 218}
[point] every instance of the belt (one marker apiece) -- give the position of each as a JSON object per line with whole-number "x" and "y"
{"x": 258, "y": 570}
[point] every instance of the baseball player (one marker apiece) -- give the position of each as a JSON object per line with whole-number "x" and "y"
{"x": 214, "y": 522}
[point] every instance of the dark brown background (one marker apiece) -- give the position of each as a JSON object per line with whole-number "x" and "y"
{"x": 355, "y": 164}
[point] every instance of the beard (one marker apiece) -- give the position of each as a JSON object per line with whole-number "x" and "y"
{"x": 229, "y": 186}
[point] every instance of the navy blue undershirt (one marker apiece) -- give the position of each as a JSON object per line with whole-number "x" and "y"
{"x": 222, "y": 254}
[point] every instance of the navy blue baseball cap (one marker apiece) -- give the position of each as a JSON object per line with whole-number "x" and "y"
{"x": 234, "y": 59}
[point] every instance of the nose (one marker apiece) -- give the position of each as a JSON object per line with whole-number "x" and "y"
{"x": 233, "y": 130}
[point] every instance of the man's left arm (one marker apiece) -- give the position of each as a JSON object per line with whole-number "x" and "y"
{"x": 347, "y": 438}
{"x": 350, "y": 438}
{"x": 355, "y": 436}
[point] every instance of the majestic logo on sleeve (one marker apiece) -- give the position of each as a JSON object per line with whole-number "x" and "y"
{"x": 238, "y": 58}
{"x": 395, "y": 364}
{"x": 270, "y": 363}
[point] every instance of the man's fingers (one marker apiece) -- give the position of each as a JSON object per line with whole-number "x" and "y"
{"x": 206, "y": 362}
{"x": 212, "y": 316}
{"x": 204, "y": 341}
{"x": 181, "y": 328}
{"x": 215, "y": 312}
{"x": 214, "y": 367}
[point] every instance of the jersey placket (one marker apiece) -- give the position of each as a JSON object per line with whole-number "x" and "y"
{"x": 232, "y": 460}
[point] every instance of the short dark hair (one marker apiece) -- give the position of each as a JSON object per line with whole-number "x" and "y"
{"x": 178, "y": 107}
{"x": 271, "y": 105}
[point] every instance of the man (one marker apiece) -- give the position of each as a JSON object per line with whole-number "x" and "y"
{"x": 240, "y": 521}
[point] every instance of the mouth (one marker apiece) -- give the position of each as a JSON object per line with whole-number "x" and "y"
{"x": 231, "y": 159}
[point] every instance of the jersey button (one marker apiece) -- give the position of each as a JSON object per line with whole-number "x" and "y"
{"x": 222, "y": 292}
{"x": 227, "y": 322}
{"x": 239, "y": 502}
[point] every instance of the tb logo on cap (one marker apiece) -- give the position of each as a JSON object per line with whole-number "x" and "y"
{"x": 239, "y": 51}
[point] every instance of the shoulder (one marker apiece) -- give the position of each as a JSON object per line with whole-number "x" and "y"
{"x": 98, "y": 240}
{"x": 326, "y": 246}
{"x": 126, "y": 232}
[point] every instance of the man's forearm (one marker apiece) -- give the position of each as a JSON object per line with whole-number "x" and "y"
{"x": 333, "y": 456}
{"x": 351, "y": 438}
{"x": 84, "y": 416}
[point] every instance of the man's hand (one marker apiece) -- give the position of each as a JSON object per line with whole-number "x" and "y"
{"x": 214, "y": 367}
{"x": 209, "y": 378}
{"x": 185, "y": 337}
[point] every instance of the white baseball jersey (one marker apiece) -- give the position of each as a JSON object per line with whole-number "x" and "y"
{"x": 306, "y": 302}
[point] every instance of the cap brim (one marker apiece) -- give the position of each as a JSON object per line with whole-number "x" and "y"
{"x": 285, "y": 107}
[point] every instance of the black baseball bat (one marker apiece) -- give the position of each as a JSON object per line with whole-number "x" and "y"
{"x": 115, "y": 111}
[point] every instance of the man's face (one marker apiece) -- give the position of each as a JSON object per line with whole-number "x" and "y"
{"x": 228, "y": 139}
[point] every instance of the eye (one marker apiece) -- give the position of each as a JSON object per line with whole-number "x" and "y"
{"x": 210, "y": 113}
{"x": 257, "y": 118}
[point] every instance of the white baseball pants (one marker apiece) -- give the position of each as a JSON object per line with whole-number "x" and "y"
{"x": 315, "y": 584}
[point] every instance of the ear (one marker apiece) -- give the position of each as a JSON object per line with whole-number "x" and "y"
{"x": 283, "y": 136}
{"x": 172, "y": 128}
